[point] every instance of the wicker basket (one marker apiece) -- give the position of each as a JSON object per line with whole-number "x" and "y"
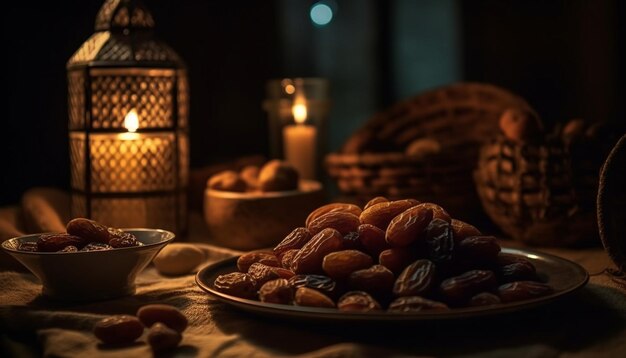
{"x": 527, "y": 190}
{"x": 459, "y": 117}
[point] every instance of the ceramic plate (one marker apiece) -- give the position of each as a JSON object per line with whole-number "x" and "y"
{"x": 563, "y": 275}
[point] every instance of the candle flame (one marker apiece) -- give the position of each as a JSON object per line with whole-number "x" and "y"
{"x": 131, "y": 121}
{"x": 299, "y": 111}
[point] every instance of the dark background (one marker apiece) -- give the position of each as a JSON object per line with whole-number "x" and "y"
{"x": 563, "y": 56}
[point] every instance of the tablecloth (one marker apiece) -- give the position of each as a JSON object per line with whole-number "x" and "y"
{"x": 591, "y": 322}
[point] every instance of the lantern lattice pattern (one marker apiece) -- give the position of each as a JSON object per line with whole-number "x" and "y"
{"x": 121, "y": 178}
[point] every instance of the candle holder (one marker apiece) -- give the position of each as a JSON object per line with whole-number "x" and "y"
{"x": 128, "y": 112}
{"x": 297, "y": 113}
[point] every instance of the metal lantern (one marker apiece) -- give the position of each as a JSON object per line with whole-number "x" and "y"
{"x": 128, "y": 114}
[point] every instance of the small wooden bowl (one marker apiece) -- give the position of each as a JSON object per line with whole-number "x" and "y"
{"x": 248, "y": 221}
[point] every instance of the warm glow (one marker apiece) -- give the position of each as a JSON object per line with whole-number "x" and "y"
{"x": 131, "y": 121}
{"x": 290, "y": 89}
{"x": 299, "y": 111}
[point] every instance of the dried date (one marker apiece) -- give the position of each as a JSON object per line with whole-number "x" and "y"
{"x": 459, "y": 289}
{"x": 262, "y": 273}
{"x": 340, "y": 264}
{"x": 376, "y": 200}
{"x": 120, "y": 329}
{"x": 377, "y": 280}
{"x": 89, "y": 230}
{"x": 287, "y": 258}
{"x": 30, "y": 246}
{"x": 341, "y": 221}
{"x": 416, "y": 304}
{"x": 409, "y": 225}
{"x": 478, "y": 249}
{"x": 381, "y": 214}
{"x": 373, "y": 239}
{"x": 309, "y": 258}
{"x": 397, "y": 258}
{"x": 438, "y": 212}
{"x": 352, "y": 241}
{"x": 484, "y": 299}
{"x": 324, "y": 284}
{"x": 96, "y": 246}
{"x": 523, "y": 290}
{"x": 236, "y": 284}
{"x": 417, "y": 279}
{"x": 309, "y": 297}
{"x": 124, "y": 239}
{"x": 461, "y": 230}
{"x": 57, "y": 242}
{"x": 276, "y": 291}
{"x": 295, "y": 240}
{"x": 358, "y": 301}
{"x": 334, "y": 207}
{"x": 69, "y": 249}
{"x": 161, "y": 337}
{"x": 439, "y": 241}
{"x": 264, "y": 257}
{"x": 170, "y": 315}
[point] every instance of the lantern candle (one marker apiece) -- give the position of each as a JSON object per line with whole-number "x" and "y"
{"x": 300, "y": 141}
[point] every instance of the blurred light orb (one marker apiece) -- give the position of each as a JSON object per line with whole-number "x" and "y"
{"x": 321, "y": 14}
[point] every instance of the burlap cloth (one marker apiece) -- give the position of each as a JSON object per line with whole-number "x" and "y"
{"x": 590, "y": 323}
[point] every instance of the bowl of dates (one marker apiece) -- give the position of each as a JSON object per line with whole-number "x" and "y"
{"x": 90, "y": 261}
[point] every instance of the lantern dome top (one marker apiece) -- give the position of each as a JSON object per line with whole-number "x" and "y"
{"x": 123, "y": 14}
{"x": 124, "y": 37}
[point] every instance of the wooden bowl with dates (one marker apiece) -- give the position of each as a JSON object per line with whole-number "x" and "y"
{"x": 90, "y": 262}
{"x": 391, "y": 260}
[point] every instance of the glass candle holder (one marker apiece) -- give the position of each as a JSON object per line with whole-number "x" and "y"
{"x": 297, "y": 113}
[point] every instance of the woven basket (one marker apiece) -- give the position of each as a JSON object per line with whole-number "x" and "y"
{"x": 459, "y": 117}
{"x": 527, "y": 190}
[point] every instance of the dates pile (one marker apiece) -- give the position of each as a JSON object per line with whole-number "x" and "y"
{"x": 275, "y": 175}
{"x": 403, "y": 256}
{"x": 82, "y": 235}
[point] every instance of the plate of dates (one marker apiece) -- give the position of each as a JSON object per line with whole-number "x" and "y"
{"x": 390, "y": 261}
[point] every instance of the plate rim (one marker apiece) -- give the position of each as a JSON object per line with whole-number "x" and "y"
{"x": 332, "y": 314}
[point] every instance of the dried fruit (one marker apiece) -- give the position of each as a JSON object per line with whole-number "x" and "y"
{"x": 376, "y": 200}
{"x": 287, "y": 258}
{"x": 96, "y": 246}
{"x": 341, "y": 221}
{"x": 438, "y": 212}
{"x": 123, "y": 239}
{"x": 324, "y": 284}
{"x": 262, "y": 273}
{"x": 236, "y": 284}
{"x": 276, "y": 291}
{"x": 265, "y": 257}
{"x": 121, "y": 329}
{"x": 523, "y": 290}
{"x": 340, "y": 264}
{"x": 457, "y": 290}
{"x": 250, "y": 175}
{"x": 381, "y": 214}
{"x": 334, "y": 207}
{"x": 376, "y": 280}
{"x": 514, "y": 268}
{"x": 309, "y": 258}
{"x": 169, "y": 315}
{"x": 57, "y": 242}
{"x": 352, "y": 241}
{"x": 461, "y": 230}
{"x": 417, "y": 279}
{"x": 161, "y": 337}
{"x": 409, "y": 225}
{"x": 277, "y": 175}
{"x": 439, "y": 241}
{"x": 309, "y": 297}
{"x": 372, "y": 239}
{"x": 295, "y": 240}
{"x": 89, "y": 230}
{"x": 416, "y": 304}
{"x": 478, "y": 249}
{"x": 357, "y": 301}
{"x": 397, "y": 258}
{"x": 484, "y": 299}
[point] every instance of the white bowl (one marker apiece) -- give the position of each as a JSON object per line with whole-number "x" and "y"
{"x": 247, "y": 221}
{"x": 90, "y": 275}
